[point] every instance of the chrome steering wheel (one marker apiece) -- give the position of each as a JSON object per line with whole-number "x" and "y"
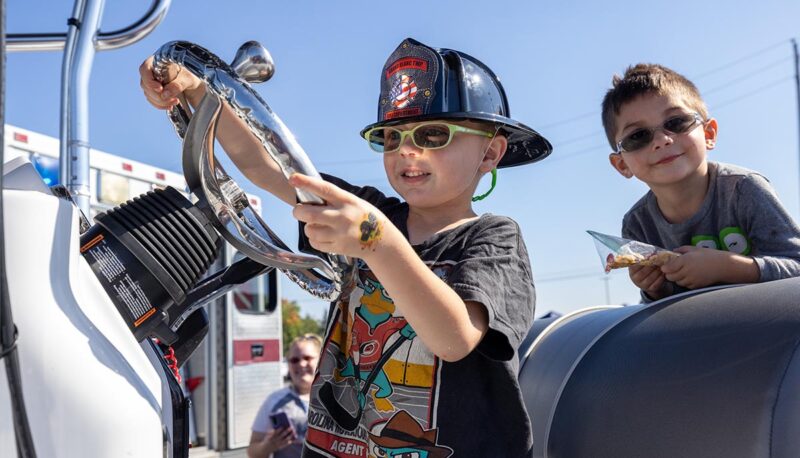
{"x": 220, "y": 196}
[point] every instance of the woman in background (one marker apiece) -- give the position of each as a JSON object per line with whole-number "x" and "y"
{"x": 287, "y": 441}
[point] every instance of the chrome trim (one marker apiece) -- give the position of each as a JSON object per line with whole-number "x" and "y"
{"x": 21, "y": 42}
{"x": 221, "y": 197}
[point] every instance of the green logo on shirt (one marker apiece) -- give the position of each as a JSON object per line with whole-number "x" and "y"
{"x": 730, "y": 239}
{"x": 705, "y": 241}
{"x": 734, "y": 240}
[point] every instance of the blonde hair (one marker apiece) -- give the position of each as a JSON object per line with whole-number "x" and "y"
{"x": 308, "y": 337}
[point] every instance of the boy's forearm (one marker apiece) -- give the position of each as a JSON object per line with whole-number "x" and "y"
{"x": 447, "y": 325}
{"x": 740, "y": 269}
{"x": 777, "y": 267}
{"x": 246, "y": 152}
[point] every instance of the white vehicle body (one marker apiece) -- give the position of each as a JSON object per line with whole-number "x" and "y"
{"x": 76, "y": 354}
{"x": 229, "y": 375}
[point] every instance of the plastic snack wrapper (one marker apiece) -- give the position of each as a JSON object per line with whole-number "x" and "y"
{"x": 617, "y": 252}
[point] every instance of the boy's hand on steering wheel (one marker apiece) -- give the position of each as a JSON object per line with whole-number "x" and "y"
{"x": 165, "y": 96}
{"x": 345, "y": 225}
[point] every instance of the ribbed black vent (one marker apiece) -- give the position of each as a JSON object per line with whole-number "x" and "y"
{"x": 169, "y": 232}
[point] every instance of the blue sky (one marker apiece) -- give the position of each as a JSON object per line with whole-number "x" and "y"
{"x": 555, "y": 59}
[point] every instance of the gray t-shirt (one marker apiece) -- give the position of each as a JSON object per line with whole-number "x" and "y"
{"x": 296, "y": 408}
{"x": 416, "y": 401}
{"x": 741, "y": 213}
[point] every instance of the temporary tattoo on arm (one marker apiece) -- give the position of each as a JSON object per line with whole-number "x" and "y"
{"x": 371, "y": 231}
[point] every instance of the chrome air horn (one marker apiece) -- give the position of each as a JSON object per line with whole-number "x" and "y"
{"x": 220, "y": 196}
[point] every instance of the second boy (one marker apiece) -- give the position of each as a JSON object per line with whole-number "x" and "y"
{"x": 660, "y": 131}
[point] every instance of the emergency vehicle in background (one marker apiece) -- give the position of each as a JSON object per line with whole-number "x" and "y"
{"x": 240, "y": 361}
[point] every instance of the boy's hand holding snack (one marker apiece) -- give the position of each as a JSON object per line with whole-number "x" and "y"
{"x": 651, "y": 280}
{"x": 643, "y": 260}
{"x": 700, "y": 267}
{"x": 688, "y": 266}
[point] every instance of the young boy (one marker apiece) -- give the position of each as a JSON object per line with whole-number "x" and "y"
{"x": 420, "y": 359}
{"x": 658, "y": 126}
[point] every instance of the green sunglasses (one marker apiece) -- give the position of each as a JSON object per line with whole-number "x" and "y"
{"x": 429, "y": 135}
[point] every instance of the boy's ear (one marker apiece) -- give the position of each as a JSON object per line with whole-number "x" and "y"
{"x": 619, "y": 164}
{"x": 710, "y": 130}
{"x": 494, "y": 152}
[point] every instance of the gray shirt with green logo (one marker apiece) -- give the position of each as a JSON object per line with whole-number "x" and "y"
{"x": 741, "y": 213}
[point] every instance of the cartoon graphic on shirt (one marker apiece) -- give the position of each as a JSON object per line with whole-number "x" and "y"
{"x": 731, "y": 239}
{"x": 372, "y": 327}
{"x": 379, "y": 368}
{"x": 403, "y": 437}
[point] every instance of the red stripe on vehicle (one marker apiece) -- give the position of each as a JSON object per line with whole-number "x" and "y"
{"x": 256, "y": 351}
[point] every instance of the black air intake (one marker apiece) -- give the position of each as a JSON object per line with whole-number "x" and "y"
{"x": 147, "y": 253}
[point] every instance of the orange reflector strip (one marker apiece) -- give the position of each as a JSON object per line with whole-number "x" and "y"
{"x": 92, "y": 243}
{"x": 146, "y": 315}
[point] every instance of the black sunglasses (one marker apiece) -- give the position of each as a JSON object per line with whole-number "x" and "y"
{"x": 642, "y": 137}
{"x": 297, "y": 359}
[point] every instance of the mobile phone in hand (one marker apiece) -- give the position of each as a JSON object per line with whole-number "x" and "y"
{"x": 280, "y": 420}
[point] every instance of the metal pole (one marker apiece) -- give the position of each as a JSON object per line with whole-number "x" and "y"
{"x": 80, "y": 42}
{"x": 79, "y": 54}
{"x": 797, "y": 93}
{"x": 9, "y": 356}
{"x": 20, "y": 42}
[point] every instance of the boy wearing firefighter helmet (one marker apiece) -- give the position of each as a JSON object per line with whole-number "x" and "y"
{"x": 421, "y": 354}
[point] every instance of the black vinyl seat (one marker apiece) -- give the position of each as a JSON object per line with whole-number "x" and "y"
{"x": 538, "y": 326}
{"x": 709, "y": 374}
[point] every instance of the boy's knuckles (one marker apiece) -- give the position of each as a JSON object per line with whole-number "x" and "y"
{"x": 297, "y": 213}
{"x": 174, "y": 87}
{"x": 327, "y": 190}
{"x": 157, "y": 103}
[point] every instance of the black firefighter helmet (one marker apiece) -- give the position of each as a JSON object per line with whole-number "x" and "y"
{"x": 419, "y": 83}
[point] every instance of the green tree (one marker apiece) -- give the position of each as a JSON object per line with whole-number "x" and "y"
{"x": 295, "y": 325}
